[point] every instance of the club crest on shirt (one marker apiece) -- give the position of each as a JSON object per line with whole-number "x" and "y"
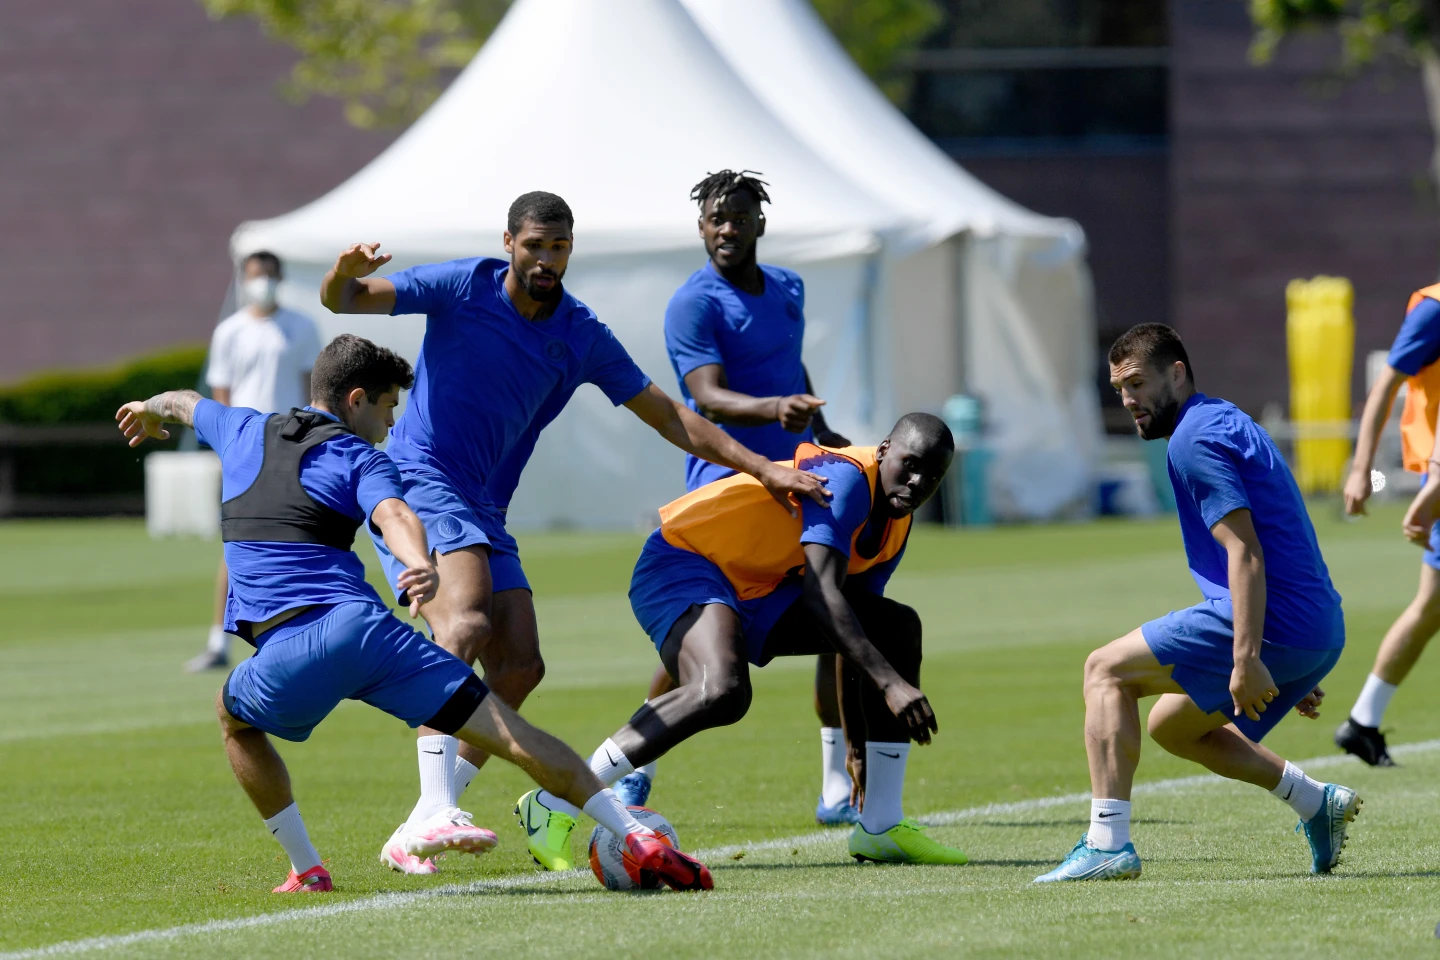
{"x": 555, "y": 351}
{"x": 448, "y": 527}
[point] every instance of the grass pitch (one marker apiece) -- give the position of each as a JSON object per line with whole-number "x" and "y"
{"x": 129, "y": 837}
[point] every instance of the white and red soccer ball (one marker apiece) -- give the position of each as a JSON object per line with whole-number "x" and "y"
{"x": 611, "y": 861}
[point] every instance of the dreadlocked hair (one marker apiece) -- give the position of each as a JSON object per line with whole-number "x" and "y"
{"x": 725, "y": 182}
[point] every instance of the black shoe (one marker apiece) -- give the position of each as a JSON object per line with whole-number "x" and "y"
{"x": 209, "y": 660}
{"x": 1367, "y": 743}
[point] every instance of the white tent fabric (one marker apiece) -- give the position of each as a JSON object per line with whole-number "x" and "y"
{"x": 635, "y": 106}
{"x": 1021, "y": 323}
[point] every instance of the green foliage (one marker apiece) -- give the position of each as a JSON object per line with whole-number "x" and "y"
{"x": 89, "y": 396}
{"x": 387, "y": 60}
{"x": 878, "y": 33}
{"x": 1369, "y": 29}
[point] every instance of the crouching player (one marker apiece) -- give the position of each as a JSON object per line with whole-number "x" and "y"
{"x": 732, "y": 579}
{"x": 1227, "y": 670}
{"x": 295, "y": 488}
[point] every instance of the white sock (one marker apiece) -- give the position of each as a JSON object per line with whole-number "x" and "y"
{"x": 437, "y": 775}
{"x": 1303, "y": 794}
{"x": 610, "y": 813}
{"x": 218, "y": 641}
{"x": 1109, "y": 824}
{"x": 1374, "y": 697}
{"x": 609, "y": 763}
{"x": 465, "y": 772}
{"x": 884, "y": 785}
{"x": 834, "y": 778}
{"x": 648, "y": 770}
{"x": 552, "y": 802}
{"x": 289, "y": 829}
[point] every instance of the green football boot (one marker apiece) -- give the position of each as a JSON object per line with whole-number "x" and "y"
{"x": 903, "y": 843}
{"x": 548, "y": 831}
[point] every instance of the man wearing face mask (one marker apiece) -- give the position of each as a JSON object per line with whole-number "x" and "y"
{"x": 260, "y": 357}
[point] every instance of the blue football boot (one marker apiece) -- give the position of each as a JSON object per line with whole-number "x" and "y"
{"x": 1326, "y": 830}
{"x": 633, "y": 790}
{"x": 836, "y": 815}
{"x": 1084, "y": 862}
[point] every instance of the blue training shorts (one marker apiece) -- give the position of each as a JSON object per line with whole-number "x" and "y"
{"x": 1199, "y": 642}
{"x": 349, "y": 651}
{"x": 668, "y": 581}
{"x": 1432, "y": 551}
{"x": 453, "y": 523}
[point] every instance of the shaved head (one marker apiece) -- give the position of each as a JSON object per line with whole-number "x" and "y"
{"x": 912, "y": 462}
{"x": 924, "y": 431}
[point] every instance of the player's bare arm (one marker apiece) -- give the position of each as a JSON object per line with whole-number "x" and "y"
{"x": 719, "y": 403}
{"x": 405, "y": 537}
{"x": 823, "y": 594}
{"x": 145, "y": 419}
{"x": 349, "y": 288}
{"x": 1372, "y": 424}
{"x": 1251, "y": 685}
{"x": 695, "y": 435}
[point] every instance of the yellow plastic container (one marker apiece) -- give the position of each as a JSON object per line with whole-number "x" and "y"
{"x": 1320, "y": 334}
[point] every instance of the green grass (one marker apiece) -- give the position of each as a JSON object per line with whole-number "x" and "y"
{"x": 124, "y": 818}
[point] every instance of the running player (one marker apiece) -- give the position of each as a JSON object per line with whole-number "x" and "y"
{"x": 296, "y": 487}
{"x": 505, "y": 347}
{"x": 734, "y": 332}
{"x": 730, "y": 579}
{"x": 1413, "y": 356}
{"x": 1227, "y": 670}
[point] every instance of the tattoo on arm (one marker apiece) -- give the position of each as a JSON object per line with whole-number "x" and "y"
{"x": 174, "y": 406}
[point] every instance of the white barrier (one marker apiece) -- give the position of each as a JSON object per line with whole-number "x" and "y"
{"x": 182, "y": 494}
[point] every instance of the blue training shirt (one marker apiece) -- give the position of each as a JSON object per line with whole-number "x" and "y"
{"x": 343, "y": 473}
{"x": 1417, "y": 345}
{"x": 835, "y": 527}
{"x": 1220, "y": 461}
{"x": 757, "y": 339}
{"x": 488, "y": 380}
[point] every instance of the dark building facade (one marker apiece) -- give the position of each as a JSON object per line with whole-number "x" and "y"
{"x": 136, "y": 137}
{"x": 1204, "y": 183}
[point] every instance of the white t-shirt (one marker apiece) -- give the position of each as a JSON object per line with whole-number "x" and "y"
{"x": 262, "y": 359}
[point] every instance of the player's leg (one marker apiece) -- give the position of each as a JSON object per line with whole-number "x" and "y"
{"x": 705, "y": 651}
{"x": 634, "y": 789}
{"x": 217, "y": 645}
{"x": 833, "y": 805}
{"x": 1404, "y": 642}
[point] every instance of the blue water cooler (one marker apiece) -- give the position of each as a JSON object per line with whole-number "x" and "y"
{"x": 967, "y": 485}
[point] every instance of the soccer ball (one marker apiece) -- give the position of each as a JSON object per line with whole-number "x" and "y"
{"x": 611, "y": 861}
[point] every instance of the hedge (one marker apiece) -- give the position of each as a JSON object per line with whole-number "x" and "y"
{"x": 91, "y": 396}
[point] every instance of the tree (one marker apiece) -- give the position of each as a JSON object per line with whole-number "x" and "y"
{"x": 1370, "y": 31}
{"x": 387, "y": 60}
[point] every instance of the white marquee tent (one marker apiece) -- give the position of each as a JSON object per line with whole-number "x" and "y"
{"x": 633, "y": 106}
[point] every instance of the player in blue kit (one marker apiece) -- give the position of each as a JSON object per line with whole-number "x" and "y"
{"x": 295, "y": 489}
{"x": 734, "y": 331}
{"x": 1227, "y": 670}
{"x": 505, "y": 348}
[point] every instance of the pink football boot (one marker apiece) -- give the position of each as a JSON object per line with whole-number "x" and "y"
{"x": 396, "y": 857}
{"x": 314, "y": 880}
{"x": 448, "y": 830}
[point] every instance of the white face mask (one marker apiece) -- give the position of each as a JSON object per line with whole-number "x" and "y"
{"x": 261, "y": 291}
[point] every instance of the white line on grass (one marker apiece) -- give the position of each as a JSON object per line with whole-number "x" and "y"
{"x": 394, "y": 901}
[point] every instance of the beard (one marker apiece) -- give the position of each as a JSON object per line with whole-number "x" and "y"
{"x": 540, "y": 294}
{"x": 1162, "y": 418}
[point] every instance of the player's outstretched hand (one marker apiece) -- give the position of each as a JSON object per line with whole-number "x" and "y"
{"x": 1310, "y": 706}
{"x": 360, "y": 260}
{"x": 855, "y": 766}
{"x": 787, "y": 482}
{"x": 1252, "y": 688}
{"x": 1357, "y": 491}
{"x": 138, "y": 423}
{"x": 794, "y": 412}
{"x": 909, "y": 705}
{"x": 420, "y": 583}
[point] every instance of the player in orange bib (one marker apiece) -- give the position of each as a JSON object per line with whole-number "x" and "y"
{"x": 730, "y": 580}
{"x": 1414, "y": 358}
